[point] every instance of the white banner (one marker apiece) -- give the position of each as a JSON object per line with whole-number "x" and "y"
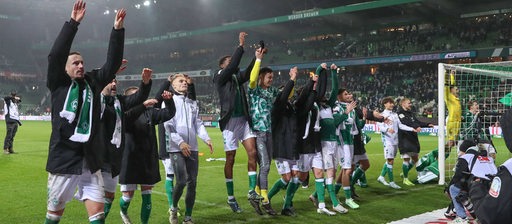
{"x": 197, "y": 73}
{"x": 31, "y": 118}
{"x": 375, "y": 128}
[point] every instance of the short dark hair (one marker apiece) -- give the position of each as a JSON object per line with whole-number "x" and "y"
{"x": 466, "y": 144}
{"x": 265, "y": 70}
{"x": 13, "y": 93}
{"x": 387, "y": 100}
{"x": 223, "y": 59}
{"x": 471, "y": 102}
{"x": 341, "y": 90}
{"x": 74, "y": 53}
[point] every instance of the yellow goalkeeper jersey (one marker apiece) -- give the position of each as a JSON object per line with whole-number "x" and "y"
{"x": 453, "y": 106}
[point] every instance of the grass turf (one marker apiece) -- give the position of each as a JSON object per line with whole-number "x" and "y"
{"x": 23, "y": 188}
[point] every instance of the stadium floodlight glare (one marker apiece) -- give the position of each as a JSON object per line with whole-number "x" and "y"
{"x": 106, "y": 12}
{"x": 137, "y": 6}
{"x": 146, "y": 3}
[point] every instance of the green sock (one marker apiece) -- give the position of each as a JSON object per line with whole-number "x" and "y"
{"x": 48, "y": 221}
{"x": 384, "y": 169}
{"x": 145, "y": 209}
{"x": 188, "y": 211}
{"x": 405, "y": 170}
{"x": 252, "y": 180}
{"x": 290, "y": 192}
{"x": 332, "y": 195}
{"x": 363, "y": 179}
{"x": 337, "y": 188}
{"x": 230, "y": 187}
{"x": 168, "y": 191}
{"x": 278, "y": 185}
{"x": 124, "y": 205}
{"x": 411, "y": 166}
{"x": 390, "y": 173}
{"x": 348, "y": 193}
{"x": 98, "y": 221}
{"x": 108, "y": 205}
{"x": 358, "y": 173}
{"x": 320, "y": 189}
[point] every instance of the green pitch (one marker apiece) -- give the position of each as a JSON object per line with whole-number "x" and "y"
{"x": 23, "y": 188}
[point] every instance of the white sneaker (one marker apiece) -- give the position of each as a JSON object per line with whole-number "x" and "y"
{"x": 351, "y": 203}
{"x": 382, "y": 181}
{"x": 394, "y": 185}
{"x": 325, "y": 211}
{"x": 125, "y": 218}
{"x": 173, "y": 216}
{"x": 340, "y": 209}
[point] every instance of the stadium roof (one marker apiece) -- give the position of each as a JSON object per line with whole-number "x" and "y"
{"x": 167, "y": 16}
{"x": 35, "y": 23}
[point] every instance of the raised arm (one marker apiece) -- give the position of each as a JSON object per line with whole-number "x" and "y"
{"x": 282, "y": 98}
{"x": 224, "y": 75}
{"x": 253, "y": 80}
{"x": 61, "y": 47}
{"x": 115, "y": 51}
{"x": 165, "y": 86}
{"x": 304, "y": 94}
{"x": 322, "y": 81}
{"x": 167, "y": 113}
{"x": 143, "y": 93}
{"x": 334, "y": 90}
{"x": 191, "y": 90}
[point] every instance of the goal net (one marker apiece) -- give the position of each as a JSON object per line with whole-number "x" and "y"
{"x": 471, "y": 99}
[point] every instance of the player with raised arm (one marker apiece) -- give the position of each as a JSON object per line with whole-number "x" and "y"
{"x": 73, "y": 162}
{"x": 112, "y": 130}
{"x": 261, "y": 100}
{"x": 235, "y": 121}
{"x": 452, "y": 101}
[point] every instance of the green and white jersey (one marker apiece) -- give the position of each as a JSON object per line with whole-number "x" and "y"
{"x": 328, "y": 124}
{"x": 347, "y": 126}
{"x": 261, "y": 103}
{"x": 470, "y": 127}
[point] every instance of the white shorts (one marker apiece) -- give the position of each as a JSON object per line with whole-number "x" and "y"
{"x": 110, "y": 182}
{"x": 168, "y": 166}
{"x": 236, "y": 130}
{"x": 285, "y": 166}
{"x": 62, "y": 187}
{"x": 358, "y": 158}
{"x": 305, "y": 162}
{"x": 347, "y": 153}
{"x": 390, "y": 151}
{"x": 318, "y": 161}
{"x": 408, "y": 155}
{"x": 330, "y": 154}
{"x": 133, "y": 187}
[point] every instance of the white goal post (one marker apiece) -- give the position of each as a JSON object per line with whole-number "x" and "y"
{"x": 484, "y": 82}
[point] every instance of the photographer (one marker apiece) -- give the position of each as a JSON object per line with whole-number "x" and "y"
{"x": 495, "y": 205}
{"x": 474, "y": 166}
{"x": 12, "y": 120}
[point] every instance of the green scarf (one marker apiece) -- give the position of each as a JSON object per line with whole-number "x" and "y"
{"x": 83, "y": 127}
